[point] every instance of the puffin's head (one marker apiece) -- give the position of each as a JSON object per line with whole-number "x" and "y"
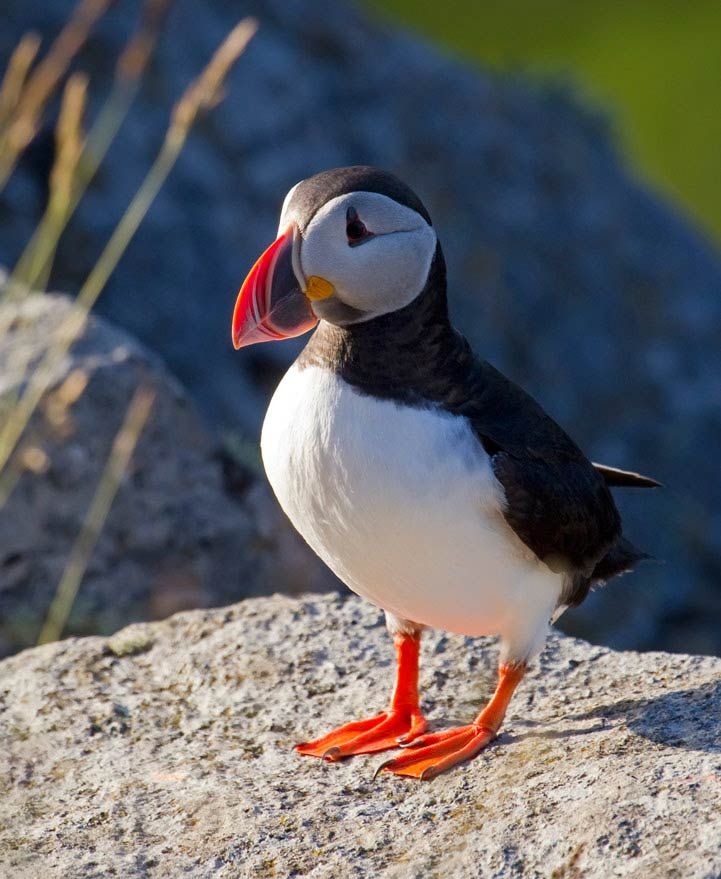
{"x": 353, "y": 244}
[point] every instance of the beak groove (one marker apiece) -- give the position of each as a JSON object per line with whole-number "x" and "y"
{"x": 271, "y": 304}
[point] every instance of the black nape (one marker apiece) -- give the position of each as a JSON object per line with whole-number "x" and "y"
{"x": 310, "y": 195}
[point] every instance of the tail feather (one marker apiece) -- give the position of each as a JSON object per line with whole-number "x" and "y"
{"x": 620, "y": 559}
{"x": 614, "y": 477}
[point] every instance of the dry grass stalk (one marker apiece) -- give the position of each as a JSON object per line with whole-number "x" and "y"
{"x": 57, "y": 420}
{"x": 206, "y": 91}
{"x": 10, "y": 476}
{"x": 16, "y": 74}
{"x": 123, "y": 447}
{"x": 69, "y": 139}
{"x": 41, "y": 84}
{"x": 202, "y": 94}
{"x": 134, "y": 59}
{"x": 69, "y": 142}
{"x": 36, "y": 259}
{"x": 29, "y": 457}
{"x": 41, "y": 378}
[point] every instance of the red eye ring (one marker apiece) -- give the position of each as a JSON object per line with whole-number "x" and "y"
{"x": 355, "y": 228}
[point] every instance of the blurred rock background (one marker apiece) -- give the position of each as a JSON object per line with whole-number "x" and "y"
{"x": 191, "y": 526}
{"x": 566, "y": 273}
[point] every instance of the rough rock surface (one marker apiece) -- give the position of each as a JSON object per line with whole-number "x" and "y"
{"x": 184, "y": 531}
{"x": 166, "y": 751}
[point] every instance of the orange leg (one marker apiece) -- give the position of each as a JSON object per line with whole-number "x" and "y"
{"x": 401, "y": 723}
{"x": 427, "y": 756}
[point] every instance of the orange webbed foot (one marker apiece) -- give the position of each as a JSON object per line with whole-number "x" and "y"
{"x": 380, "y": 733}
{"x": 430, "y": 755}
{"x": 400, "y": 724}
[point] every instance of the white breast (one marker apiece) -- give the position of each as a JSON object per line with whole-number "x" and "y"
{"x": 401, "y": 503}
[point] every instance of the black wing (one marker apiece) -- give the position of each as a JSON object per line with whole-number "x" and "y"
{"x": 558, "y": 504}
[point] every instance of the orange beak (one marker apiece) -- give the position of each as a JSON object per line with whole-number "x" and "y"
{"x": 271, "y": 304}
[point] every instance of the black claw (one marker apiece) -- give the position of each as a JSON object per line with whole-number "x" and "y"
{"x": 428, "y": 774}
{"x": 330, "y": 755}
{"x": 381, "y": 768}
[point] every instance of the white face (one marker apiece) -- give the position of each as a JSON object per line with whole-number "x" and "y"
{"x": 375, "y": 252}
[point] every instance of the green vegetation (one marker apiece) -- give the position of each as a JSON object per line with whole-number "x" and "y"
{"x": 654, "y": 65}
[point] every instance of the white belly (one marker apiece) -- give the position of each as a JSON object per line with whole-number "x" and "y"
{"x": 401, "y": 503}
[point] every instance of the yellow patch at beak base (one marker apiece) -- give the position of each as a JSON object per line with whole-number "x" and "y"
{"x": 318, "y": 288}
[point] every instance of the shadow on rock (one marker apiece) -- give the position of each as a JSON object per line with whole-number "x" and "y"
{"x": 688, "y": 719}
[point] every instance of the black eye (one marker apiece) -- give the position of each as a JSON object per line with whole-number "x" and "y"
{"x": 355, "y": 229}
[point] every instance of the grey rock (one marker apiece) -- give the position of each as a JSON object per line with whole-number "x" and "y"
{"x": 179, "y": 534}
{"x": 175, "y": 759}
{"x": 565, "y": 272}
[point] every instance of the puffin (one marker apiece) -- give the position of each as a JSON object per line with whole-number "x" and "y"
{"x": 427, "y": 481}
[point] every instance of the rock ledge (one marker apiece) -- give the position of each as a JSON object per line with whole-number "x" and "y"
{"x": 166, "y": 751}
